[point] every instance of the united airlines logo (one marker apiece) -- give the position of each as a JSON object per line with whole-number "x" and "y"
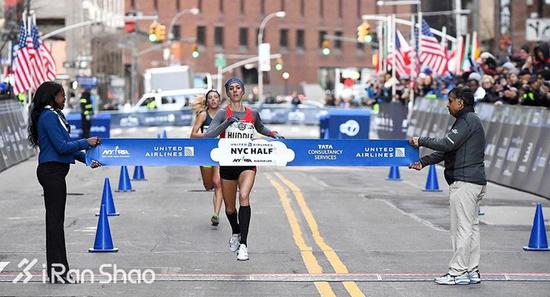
{"x": 189, "y": 151}
{"x": 117, "y": 152}
{"x": 241, "y": 126}
{"x": 382, "y": 152}
{"x": 350, "y": 128}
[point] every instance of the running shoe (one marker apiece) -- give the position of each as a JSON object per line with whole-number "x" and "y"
{"x": 234, "y": 242}
{"x": 475, "y": 277}
{"x": 215, "y": 220}
{"x": 242, "y": 254}
{"x": 448, "y": 279}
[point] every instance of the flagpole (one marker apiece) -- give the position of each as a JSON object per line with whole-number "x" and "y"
{"x": 392, "y": 49}
{"x": 444, "y": 47}
{"x": 28, "y": 29}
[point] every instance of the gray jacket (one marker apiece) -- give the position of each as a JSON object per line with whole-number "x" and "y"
{"x": 462, "y": 149}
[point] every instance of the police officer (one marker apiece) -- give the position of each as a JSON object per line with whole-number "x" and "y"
{"x": 86, "y": 112}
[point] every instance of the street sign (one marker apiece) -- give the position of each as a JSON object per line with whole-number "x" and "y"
{"x": 537, "y": 29}
{"x": 88, "y": 82}
{"x": 220, "y": 61}
{"x": 264, "y": 59}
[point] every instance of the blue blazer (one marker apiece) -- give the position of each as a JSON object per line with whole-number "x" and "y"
{"x": 55, "y": 143}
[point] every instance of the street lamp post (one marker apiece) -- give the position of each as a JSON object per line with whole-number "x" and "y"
{"x": 193, "y": 11}
{"x": 279, "y": 14}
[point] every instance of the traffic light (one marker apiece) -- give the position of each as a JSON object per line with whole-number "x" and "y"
{"x": 161, "y": 33}
{"x": 153, "y": 32}
{"x": 279, "y": 65}
{"x": 363, "y": 33}
{"x": 326, "y": 48}
{"x": 195, "y": 51}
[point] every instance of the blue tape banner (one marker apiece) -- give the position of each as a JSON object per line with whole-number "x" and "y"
{"x": 257, "y": 152}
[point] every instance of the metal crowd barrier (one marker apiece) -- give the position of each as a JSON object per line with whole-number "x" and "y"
{"x": 14, "y": 147}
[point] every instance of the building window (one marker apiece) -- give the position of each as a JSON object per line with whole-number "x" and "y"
{"x": 283, "y": 38}
{"x": 262, "y": 7}
{"x": 155, "y": 5}
{"x": 133, "y": 5}
{"x": 302, "y": 7}
{"x": 283, "y": 5}
{"x": 199, "y": 5}
{"x": 321, "y": 8}
{"x": 300, "y": 36}
{"x": 218, "y": 36}
{"x": 201, "y": 35}
{"x": 340, "y": 14}
{"x": 257, "y": 35}
{"x": 243, "y": 37}
{"x": 221, "y": 6}
{"x": 338, "y": 41}
{"x": 242, "y": 6}
{"x": 322, "y": 35}
{"x": 359, "y": 8}
{"x": 178, "y": 8}
{"x": 176, "y": 30}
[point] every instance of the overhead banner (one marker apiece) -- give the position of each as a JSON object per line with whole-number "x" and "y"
{"x": 258, "y": 152}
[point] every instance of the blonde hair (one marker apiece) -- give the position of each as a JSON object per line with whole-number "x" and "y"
{"x": 199, "y": 105}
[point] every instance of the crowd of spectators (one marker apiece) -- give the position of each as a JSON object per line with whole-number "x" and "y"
{"x": 521, "y": 78}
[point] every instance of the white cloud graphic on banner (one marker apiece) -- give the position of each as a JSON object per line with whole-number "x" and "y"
{"x": 246, "y": 152}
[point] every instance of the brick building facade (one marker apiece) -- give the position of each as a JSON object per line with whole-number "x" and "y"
{"x": 230, "y": 27}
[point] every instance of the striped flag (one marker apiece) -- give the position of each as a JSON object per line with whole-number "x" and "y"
{"x": 402, "y": 54}
{"x": 34, "y": 63}
{"x": 431, "y": 53}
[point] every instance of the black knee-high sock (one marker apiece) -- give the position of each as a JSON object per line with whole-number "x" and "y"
{"x": 244, "y": 222}
{"x": 232, "y": 217}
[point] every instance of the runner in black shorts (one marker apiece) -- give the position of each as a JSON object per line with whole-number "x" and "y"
{"x": 206, "y": 107}
{"x": 237, "y": 121}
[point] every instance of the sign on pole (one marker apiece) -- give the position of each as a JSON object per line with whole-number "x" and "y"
{"x": 537, "y": 29}
{"x": 264, "y": 60}
{"x": 220, "y": 61}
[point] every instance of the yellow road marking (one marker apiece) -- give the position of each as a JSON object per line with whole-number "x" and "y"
{"x": 309, "y": 259}
{"x": 334, "y": 260}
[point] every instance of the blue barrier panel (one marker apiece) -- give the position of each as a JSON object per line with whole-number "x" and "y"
{"x": 258, "y": 152}
{"x": 349, "y": 123}
{"x": 100, "y": 125}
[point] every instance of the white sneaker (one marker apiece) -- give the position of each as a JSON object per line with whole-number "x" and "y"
{"x": 242, "y": 254}
{"x": 234, "y": 242}
{"x": 448, "y": 279}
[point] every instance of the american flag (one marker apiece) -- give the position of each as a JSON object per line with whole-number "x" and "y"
{"x": 403, "y": 54}
{"x": 34, "y": 63}
{"x": 431, "y": 53}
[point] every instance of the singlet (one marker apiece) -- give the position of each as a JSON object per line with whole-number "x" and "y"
{"x": 243, "y": 129}
{"x": 206, "y": 122}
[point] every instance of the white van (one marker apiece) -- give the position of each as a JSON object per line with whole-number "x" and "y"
{"x": 167, "y": 100}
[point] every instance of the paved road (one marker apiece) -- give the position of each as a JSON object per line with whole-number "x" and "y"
{"x": 332, "y": 231}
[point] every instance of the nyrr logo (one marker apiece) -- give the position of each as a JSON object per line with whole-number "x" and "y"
{"x": 116, "y": 153}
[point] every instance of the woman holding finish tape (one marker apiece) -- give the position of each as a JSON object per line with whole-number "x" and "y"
{"x": 237, "y": 121}
{"x": 206, "y": 108}
{"x": 49, "y": 130}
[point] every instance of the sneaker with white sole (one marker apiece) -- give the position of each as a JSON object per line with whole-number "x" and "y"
{"x": 234, "y": 242}
{"x": 475, "y": 277}
{"x": 448, "y": 279}
{"x": 242, "y": 254}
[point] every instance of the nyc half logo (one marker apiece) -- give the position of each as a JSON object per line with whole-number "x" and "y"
{"x": 350, "y": 128}
{"x": 116, "y": 152}
{"x": 247, "y": 152}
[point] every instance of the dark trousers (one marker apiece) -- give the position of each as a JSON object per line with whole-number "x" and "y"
{"x": 51, "y": 176}
{"x": 86, "y": 125}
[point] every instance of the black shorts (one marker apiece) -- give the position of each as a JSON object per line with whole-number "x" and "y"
{"x": 233, "y": 172}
